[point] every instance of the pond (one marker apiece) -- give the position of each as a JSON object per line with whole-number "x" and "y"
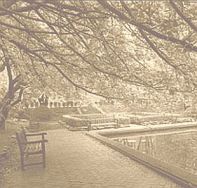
{"x": 178, "y": 149}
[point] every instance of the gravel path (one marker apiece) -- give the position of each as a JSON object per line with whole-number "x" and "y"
{"x": 75, "y": 160}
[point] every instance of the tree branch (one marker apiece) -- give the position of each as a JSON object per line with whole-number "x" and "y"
{"x": 150, "y": 43}
{"x": 159, "y": 35}
{"x": 19, "y": 98}
{"x": 187, "y": 20}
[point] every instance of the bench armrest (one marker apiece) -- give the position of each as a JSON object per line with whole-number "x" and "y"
{"x": 35, "y": 134}
{"x": 36, "y": 141}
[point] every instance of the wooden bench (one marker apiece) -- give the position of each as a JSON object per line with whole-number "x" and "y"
{"x": 28, "y": 148}
{"x": 102, "y": 123}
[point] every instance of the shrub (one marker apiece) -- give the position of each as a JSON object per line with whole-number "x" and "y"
{"x": 23, "y": 114}
{"x": 41, "y": 114}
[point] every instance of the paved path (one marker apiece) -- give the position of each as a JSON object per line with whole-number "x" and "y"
{"x": 75, "y": 160}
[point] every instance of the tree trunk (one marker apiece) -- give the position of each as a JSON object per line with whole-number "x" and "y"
{"x": 2, "y": 122}
{"x": 14, "y": 89}
{"x": 4, "y": 111}
{"x": 5, "y": 106}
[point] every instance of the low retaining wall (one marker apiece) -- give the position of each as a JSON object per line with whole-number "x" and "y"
{"x": 141, "y": 118}
{"x": 90, "y": 116}
{"x": 151, "y": 128}
{"x": 84, "y": 120}
{"x": 74, "y": 121}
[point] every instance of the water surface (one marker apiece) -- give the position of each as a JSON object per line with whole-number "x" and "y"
{"x": 179, "y": 149}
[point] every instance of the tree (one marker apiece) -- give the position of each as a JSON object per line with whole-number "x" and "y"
{"x": 13, "y": 94}
{"x": 123, "y": 44}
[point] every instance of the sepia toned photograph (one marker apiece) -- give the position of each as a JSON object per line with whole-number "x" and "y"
{"x": 98, "y": 93}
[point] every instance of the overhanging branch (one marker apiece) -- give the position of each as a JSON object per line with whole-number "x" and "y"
{"x": 159, "y": 35}
{"x": 187, "y": 20}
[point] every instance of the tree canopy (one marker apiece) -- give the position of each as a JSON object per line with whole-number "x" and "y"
{"x": 107, "y": 48}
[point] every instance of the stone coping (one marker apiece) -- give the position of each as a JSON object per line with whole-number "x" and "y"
{"x": 147, "y": 128}
{"x": 153, "y": 115}
{"x": 177, "y": 174}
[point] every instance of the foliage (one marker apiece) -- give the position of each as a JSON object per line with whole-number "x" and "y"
{"x": 41, "y": 114}
{"x": 23, "y": 114}
{"x": 130, "y": 47}
{"x": 107, "y": 40}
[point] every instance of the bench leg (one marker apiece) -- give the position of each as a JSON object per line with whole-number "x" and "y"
{"x": 22, "y": 162}
{"x": 43, "y": 160}
{"x": 43, "y": 155}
